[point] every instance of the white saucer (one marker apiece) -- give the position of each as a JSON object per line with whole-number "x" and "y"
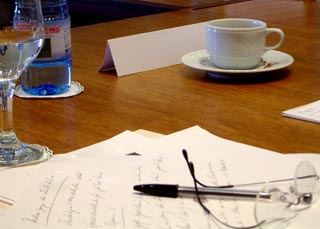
{"x": 75, "y": 89}
{"x": 271, "y": 60}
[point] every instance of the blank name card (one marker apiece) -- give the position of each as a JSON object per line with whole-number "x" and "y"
{"x": 309, "y": 112}
{"x": 152, "y": 50}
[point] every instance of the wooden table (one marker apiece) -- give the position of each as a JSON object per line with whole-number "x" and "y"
{"x": 177, "y": 97}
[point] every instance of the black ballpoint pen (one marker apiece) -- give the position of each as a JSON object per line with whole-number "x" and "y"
{"x": 171, "y": 190}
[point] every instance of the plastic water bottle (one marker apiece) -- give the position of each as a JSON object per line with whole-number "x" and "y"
{"x": 50, "y": 73}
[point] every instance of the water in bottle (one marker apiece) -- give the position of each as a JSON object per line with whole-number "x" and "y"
{"x": 50, "y": 73}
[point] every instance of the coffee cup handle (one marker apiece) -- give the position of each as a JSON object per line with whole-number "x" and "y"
{"x": 281, "y": 34}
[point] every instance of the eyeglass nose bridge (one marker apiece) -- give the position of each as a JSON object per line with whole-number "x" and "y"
{"x": 304, "y": 199}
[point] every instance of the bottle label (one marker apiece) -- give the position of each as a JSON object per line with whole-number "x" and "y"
{"x": 57, "y": 43}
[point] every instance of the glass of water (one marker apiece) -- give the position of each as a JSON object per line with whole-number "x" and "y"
{"x": 21, "y": 38}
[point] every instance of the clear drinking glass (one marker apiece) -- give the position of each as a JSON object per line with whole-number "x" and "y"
{"x": 21, "y": 38}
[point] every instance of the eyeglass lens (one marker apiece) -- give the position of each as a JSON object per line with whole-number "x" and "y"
{"x": 285, "y": 205}
{"x": 306, "y": 178}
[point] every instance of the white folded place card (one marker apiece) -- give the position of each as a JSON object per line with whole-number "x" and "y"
{"x": 152, "y": 50}
{"x": 309, "y": 112}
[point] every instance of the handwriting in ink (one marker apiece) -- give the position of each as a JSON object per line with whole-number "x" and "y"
{"x": 220, "y": 170}
{"x": 97, "y": 195}
{"x": 137, "y": 173}
{"x": 43, "y": 207}
{"x": 111, "y": 219}
{"x": 68, "y": 214}
{"x": 157, "y": 164}
{"x": 183, "y": 215}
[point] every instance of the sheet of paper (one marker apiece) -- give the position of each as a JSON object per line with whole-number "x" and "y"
{"x": 152, "y": 50}
{"x": 15, "y": 180}
{"x": 126, "y": 143}
{"x": 90, "y": 194}
{"x": 309, "y": 112}
{"x": 22, "y": 176}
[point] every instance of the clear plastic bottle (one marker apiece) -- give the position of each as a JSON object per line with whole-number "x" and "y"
{"x": 51, "y": 72}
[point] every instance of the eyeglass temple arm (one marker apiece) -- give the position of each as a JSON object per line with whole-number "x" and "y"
{"x": 205, "y": 190}
{"x": 190, "y": 164}
{"x": 185, "y": 155}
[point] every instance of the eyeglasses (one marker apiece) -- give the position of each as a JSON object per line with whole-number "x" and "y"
{"x": 273, "y": 207}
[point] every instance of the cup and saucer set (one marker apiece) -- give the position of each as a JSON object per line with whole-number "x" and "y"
{"x": 236, "y": 47}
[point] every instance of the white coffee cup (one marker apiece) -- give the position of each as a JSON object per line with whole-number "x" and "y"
{"x": 238, "y": 43}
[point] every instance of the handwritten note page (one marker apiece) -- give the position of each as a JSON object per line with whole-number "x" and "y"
{"x": 309, "y": 112}
{"x": 15, "y": 180}
{"x": 91, "y": 194}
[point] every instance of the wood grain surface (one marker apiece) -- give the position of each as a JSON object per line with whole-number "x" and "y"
{"x": 177, "y": 97}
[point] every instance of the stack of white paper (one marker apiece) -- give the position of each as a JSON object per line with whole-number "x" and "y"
{"x": 93, "y": 187}
{"x": 309, "y": 112}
